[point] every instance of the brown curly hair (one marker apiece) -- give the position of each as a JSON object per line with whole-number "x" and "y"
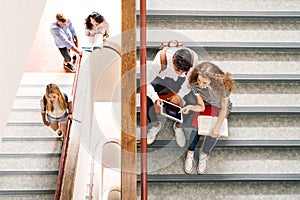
{"x": 220, "y": 81}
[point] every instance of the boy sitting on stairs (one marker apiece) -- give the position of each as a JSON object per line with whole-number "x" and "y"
{"x": 166, "y": 79}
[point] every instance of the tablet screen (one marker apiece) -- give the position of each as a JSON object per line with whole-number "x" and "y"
{"x": 171, "y": 110}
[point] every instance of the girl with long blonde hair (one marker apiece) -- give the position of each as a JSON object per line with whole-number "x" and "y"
{"x": 56, "y": 107}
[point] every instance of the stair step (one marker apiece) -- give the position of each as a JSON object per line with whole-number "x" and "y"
{"x": 221, "y": 177}
{"x": 265, "y": 77}
{"x": 227, "y": 160}
{"x": 261, "y": 77}
{"x": 31, "y": 138}
{"x": 221, "y": 13}
{"x": 225, "y": 38}
{"x": 28, "y": 103}
{"x": 232, "y": 54}
{"x": 24, "y": 124}
{"x": 46, "y": 78}
{"x": 31, "y": 155}
{"x": 252, "y": 68}
{"x": 218, "y": 5}
{"x": 261, "y": 110}
{"x": 30, "y": 147}
{"x": 27, "y": 194}
{"x": 32, "y": 130}
{"x": 226, "y": 190}
{"x": 227, "y": 45}
{"x": 233, "y": 143}
{"x": 39, "y": 85}
{"x": 38, "y": 90}
{"x": 275, "y": 159}
{"x": 245, "y": 127}
{"x": 266, "y": 109}
{"x": 25, "y": 115}
{"x": 236, "y": 109}
{"x": 28, "y": 181}
{"x": 29, "y": 163}
{"x": 222, "y": 23}
{"x": 23, "y": 172}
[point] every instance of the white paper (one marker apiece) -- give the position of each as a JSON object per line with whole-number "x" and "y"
{"x": 206, "y": 123}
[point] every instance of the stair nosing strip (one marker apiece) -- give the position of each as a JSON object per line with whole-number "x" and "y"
{"x": 220, "y": 177}
{"x": 34, "y": 138}
{"x": 24, "y": 124}
{"x": 27, "y": 192}
{"x": 30, "y": 155}
{"x": 42, "y": 85}
{"x": 224, "y": 143}
{"x": 27, "y": 172}
{"x": 231, "y": 45}
{"x": 223, "y": 14}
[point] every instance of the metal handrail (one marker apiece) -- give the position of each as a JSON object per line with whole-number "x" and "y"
{"x": 91, "y": 181}
{"x": 66, "y": 139}
{"x": 143, "y": 100}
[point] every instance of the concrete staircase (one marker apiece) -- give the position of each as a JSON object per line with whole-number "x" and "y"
{"x": 259, "y": 43}
{"x": 29, "y": 151}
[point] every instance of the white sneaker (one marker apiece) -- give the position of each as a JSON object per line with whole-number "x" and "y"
{"x": 179, "y": 136}
{"x": 202, "y": 163}
{"x": 152, "y": 132}
{"x": 188, "y": 163}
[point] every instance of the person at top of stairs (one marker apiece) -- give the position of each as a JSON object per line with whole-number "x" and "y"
{"x": 212, "y": 88}
{"x": 65, "y": 39}
{"x": 96, "y": 26}
{"x": 56, "y": 108}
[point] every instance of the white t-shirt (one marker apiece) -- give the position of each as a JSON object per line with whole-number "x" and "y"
{"x": 154, "y": 70}
{"x": 57, "y": 112}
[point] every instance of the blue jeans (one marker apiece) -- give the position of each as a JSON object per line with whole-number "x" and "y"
{"x": 62, "y": 119}
{"x": 207, "y": 145}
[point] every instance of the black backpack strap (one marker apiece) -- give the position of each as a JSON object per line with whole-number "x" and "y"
{"x": 66, "y": 99}
{"x": 45, "y": 102}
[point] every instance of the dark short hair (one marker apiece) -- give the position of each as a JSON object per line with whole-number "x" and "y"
{"x": 60, "y": 17}
{"x": 183, "y": 59}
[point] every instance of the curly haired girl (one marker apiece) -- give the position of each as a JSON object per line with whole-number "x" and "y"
{"x": 212, "y": 88}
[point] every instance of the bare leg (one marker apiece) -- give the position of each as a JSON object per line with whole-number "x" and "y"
{"x": 63, "y": 128}
{"x": 54, "y": 126}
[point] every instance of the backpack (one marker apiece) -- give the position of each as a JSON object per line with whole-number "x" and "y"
{"x": 164, "y": 47}
{"x": 66, "y": 99}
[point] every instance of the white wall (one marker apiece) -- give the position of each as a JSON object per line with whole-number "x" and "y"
{"x": 18, "y": 28}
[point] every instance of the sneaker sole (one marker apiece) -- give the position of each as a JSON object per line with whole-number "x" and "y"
{"x": 69, "y": 70}
{"x": 186, "y": 171}
{"x": 200, "y": 172}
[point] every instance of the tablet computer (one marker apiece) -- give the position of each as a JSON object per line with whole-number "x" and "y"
{"x": 171, "y": 111}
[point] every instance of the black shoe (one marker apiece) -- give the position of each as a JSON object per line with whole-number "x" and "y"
{"x": 59, "y": 133}
{"x": 74, "y": 57}
{"x": 69, "y": 67}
